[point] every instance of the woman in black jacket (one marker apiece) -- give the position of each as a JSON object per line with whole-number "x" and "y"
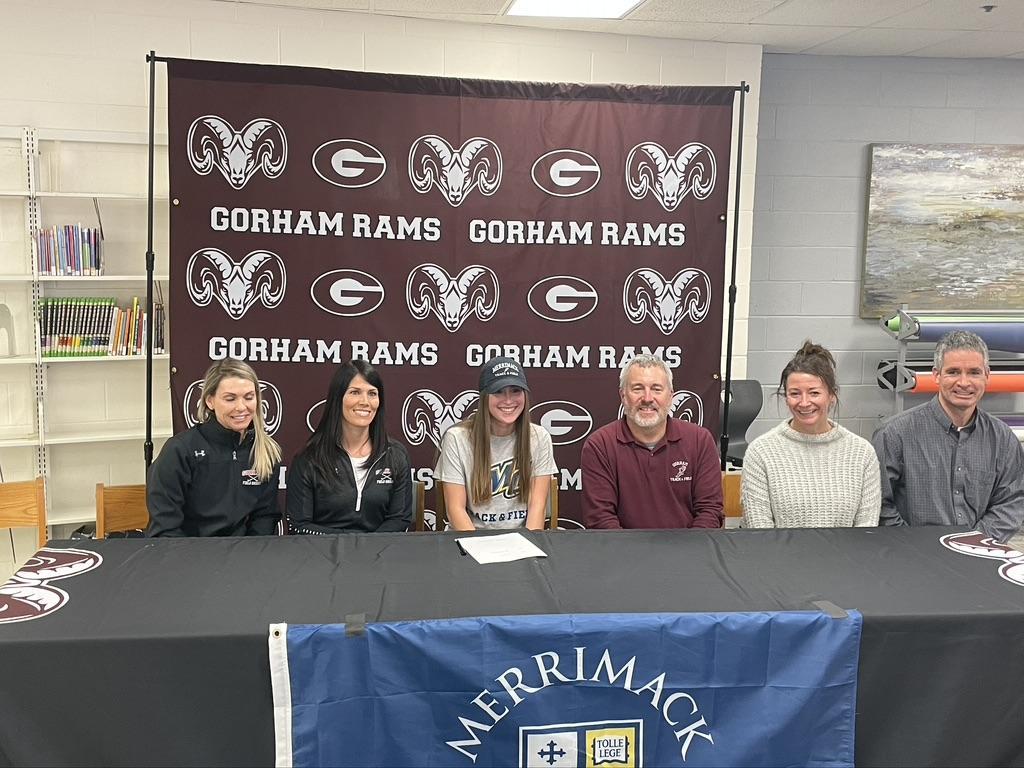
{"x": 218, "y": 478}
{"x": 350, "y": 476}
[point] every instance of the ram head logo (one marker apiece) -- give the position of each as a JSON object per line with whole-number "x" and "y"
{"x": 425, "y": 414}
{"x": 666, "y": 302}
{"x": 686, "y": 406}
{"x": 212, "y": 274}
{"x": 214, "y": 143}
{"x": 29, "y": 595}
{"x": 978, "y": 544}
{"x": 649, "y": 168}
{"x": 431, "y": 290}
{"x": 433, "y": 162}
{"x": 270, "y": 399}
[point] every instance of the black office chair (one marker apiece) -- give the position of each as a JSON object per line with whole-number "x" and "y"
{"x": 747, "y": 399}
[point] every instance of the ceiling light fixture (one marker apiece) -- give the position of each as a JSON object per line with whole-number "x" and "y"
{"x": 573, "y": 9}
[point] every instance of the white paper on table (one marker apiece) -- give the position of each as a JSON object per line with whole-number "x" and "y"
{"x": 503, "y": 548}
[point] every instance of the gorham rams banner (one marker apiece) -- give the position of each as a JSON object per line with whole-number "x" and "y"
{"x": 428, "y": 224}
{"x": 577, "y": 691}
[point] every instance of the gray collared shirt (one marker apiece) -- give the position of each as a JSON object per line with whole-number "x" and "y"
{"x": 936, "y": 474}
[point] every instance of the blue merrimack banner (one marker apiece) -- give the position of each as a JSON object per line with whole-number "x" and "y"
{"x": 570, "y": 691}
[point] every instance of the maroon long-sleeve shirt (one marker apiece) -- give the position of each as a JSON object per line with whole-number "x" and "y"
{"x": 677, "y": 484}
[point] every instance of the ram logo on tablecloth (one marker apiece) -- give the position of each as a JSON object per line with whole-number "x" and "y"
{"x": 977, "y": 544}
{"x": 30, "y": 594}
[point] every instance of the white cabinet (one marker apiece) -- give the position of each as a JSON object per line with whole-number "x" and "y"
{"x": 77, "y": 420}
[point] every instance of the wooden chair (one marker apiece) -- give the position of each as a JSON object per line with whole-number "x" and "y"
{"x": 732, "y": 501}
{"x": 23, "y": 505}
{"x": 419, "y": 501}
{"x": 550, "y": 517}
{"x": 120, "y": 508}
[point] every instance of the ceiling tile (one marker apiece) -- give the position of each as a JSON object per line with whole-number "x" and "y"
{"x": 434, "y": 7}
{"x": 976, "y": 45}
{"x": 841, "y": 13}
{"x": 778, "y": 38}
{"x": 687, "y": 11}
{"x": 881, "y": 42}
{"x": 963, "y": 15}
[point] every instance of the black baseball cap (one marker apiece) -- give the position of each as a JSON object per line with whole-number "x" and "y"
{"x": 501, "y": 372}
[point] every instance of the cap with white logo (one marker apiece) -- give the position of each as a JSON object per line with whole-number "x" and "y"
{"x": 501, "y": 372}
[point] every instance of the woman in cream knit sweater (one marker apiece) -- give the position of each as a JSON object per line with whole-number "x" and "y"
{"x": 809, "y": 472}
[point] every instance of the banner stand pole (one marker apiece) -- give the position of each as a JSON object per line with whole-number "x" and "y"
{"x": 743, "y": 89}
{"x": 147, "y": 448}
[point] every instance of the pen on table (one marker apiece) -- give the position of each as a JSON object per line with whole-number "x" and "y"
{"x": 462, "y": 549}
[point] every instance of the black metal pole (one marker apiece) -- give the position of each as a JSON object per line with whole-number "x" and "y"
{"x": 150, "y": 263}
{"x": 727, "y": 386}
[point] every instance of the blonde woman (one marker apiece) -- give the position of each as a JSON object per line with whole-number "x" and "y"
{"x": 496, "y": 466}
{"x": 218, "y": 478}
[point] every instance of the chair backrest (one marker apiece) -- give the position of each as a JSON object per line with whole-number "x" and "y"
{"x": 23, "y": 505}
{"x": 419, "y": 500}
{"x": 551, "y": 514}
{"x": 120, "y": 508}
{"x": 732, "y": 500}
{"x": 747, "y": 399}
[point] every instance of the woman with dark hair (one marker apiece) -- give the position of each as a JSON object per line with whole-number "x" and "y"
{"x": 351, "y": 476}
{"x": 809, "y": 472}
{"x": 218, "y": 478}
{"x": 496, "y": 466}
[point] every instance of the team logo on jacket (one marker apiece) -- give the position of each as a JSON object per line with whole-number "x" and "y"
{"x": 273, "y": 405}
{"x": 347, "y": 292}
{"x": 977, "y": 544}
{"x": 647, "y": 295}
{"x": 566, "y": 172}
{"x": 236, "y": 285}
{"x": 562, "y": 298}
{"x": 260, "y": 146}
{"x": 430, "y": 290}
{"x": 685, "y": 406}
{"x": 383, "y": 476}
{"x": 30, "y": 595}
{"x": 433, "y": 162}
{"x": 650, "y": 169}
{"x": 427, "y": 415}
{"x": 564, "y": 420}
{"x": 349, "y": 163}
{"x": 612, "y": 743}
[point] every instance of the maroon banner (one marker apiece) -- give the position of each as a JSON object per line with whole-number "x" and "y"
{"x": 428, "y": 224}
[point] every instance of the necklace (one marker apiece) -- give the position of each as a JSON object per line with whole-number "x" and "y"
{"x": 361, "y": 450}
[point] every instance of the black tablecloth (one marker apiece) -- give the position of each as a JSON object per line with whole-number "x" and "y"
{"x": 160, "y": 654}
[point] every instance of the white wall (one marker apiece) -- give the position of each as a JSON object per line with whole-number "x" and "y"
{"x": 818, "y": 116}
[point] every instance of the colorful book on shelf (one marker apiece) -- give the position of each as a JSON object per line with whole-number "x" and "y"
{"x": 69, "y": 250}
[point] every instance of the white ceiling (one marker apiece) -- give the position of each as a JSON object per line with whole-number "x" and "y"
{"x": 942, "y": 28}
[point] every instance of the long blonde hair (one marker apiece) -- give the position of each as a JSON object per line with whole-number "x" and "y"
{"x": 266, "y": 453}
{"x": 479, "y": 426}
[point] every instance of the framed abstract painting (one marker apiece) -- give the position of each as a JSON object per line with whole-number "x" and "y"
{"x": 944, "y": 228}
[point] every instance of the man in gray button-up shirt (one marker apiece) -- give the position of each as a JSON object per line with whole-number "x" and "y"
{"x": 947, "y": 462}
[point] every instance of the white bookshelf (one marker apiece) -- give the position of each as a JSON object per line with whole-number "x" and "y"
{"x": 75, "y": 422}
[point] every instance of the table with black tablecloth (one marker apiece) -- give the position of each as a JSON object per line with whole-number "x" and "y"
{"x": 160, "y": 654}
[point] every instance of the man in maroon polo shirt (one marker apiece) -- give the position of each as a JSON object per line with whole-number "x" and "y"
{"x": 648, "y": 470}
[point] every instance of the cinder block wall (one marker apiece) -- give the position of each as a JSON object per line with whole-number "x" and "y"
{"x": 819, "y": 114}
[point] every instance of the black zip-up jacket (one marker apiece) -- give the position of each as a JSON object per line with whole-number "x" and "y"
{"x": 318, "y": 507}
{"x": 201, "y": 485}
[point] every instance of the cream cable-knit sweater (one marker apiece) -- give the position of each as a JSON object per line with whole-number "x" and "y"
{"x": 793, "y": 480}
